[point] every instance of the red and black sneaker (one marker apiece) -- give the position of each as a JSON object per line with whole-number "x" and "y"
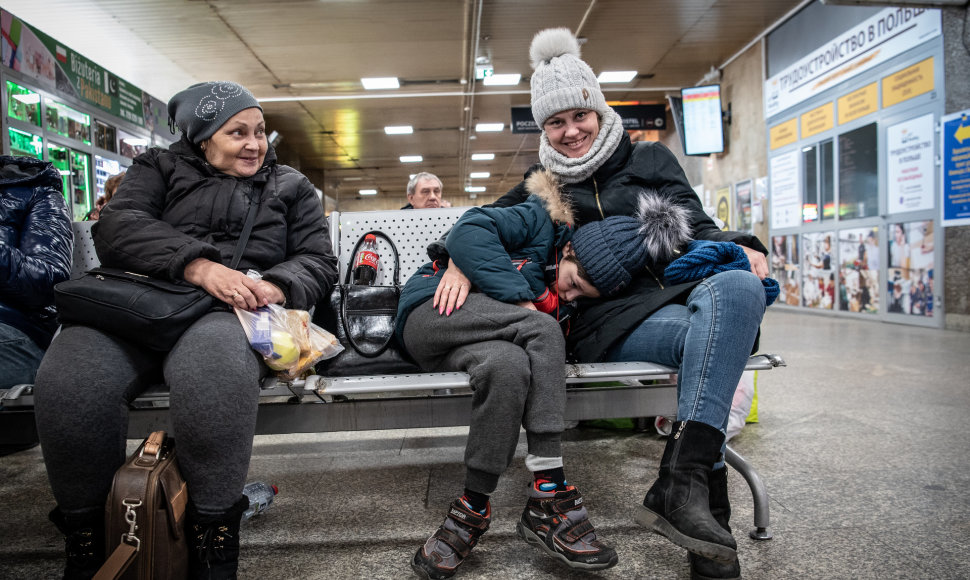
{"x": 447, "y": 548}
{"x": 558, "y": 524}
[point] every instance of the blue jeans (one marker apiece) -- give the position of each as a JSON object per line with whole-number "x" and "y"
{"x": 19, "y": 357}
{"x": 709, "y": 340}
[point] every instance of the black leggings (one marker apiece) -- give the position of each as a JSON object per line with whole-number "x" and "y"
{"x": 87, "y": 379}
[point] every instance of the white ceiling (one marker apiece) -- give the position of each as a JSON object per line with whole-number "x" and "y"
{"x": 335, "y": 133}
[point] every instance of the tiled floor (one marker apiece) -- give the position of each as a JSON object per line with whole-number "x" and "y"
{"x": 863, "y": 442}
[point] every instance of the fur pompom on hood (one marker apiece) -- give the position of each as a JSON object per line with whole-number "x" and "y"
{"x": 665, "y": 227}
{"x": 545, "y": 186}
{"x": 550, "y": 43}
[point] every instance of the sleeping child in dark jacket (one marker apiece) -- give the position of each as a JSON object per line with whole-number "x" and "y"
{"x": 525, "y": 262}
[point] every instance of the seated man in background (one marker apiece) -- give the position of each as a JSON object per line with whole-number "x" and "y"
{"x": 36, "y": 243}
{"x": 424, "y": 192}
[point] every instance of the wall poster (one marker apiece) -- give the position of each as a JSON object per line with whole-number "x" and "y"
{"x": 743, "y": 194}
{"x": 859, "y": 270}
{"x": 722, "y": 207}
{"x": 784, "y": 268}
{"x": 955, "y": 151}
{"x": 910, "y": 174}
{"x": 910, "y": 273}
{"x": 818, "y": 277}
{"x": 786, "y": 199}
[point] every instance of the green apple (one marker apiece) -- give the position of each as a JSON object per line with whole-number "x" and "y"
{"x": 285, "y": 348}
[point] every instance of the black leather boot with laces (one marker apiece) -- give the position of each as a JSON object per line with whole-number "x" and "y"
{"x": 83, "y": 542}
{"x": 214, "y": 542}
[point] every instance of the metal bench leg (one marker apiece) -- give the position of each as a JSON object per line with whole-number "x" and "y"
{"x": 758, "y": 491}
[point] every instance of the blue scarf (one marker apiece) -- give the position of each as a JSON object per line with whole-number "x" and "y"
{"x": 705, "y": 258}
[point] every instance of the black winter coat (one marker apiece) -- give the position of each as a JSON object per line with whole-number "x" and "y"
{"x": 613, "y": 190}
{"x": 173, "y": 207}
{"x": 36, "y": 244}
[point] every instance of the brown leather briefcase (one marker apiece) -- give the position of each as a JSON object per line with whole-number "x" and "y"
{"x": 145, "y": 516}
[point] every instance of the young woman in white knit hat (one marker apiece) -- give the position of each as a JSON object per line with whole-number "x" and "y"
{"x": 706, "y": 328}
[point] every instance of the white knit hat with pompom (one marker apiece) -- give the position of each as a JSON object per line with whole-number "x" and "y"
{"x": 561, "y": 81}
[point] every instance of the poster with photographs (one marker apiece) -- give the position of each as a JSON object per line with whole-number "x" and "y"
{"x": 818, "y": 275}
{"x": 859, "y": 270}
{"x": 910, "y": 273}
{"x": 784, "y": 268}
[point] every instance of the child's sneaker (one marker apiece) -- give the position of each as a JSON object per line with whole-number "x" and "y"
{"x": 447, "y": 548}
{"x": 557, "y": 522}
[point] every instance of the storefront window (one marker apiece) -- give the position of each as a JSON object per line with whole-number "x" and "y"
{"x": 67, "y": 122}
{"x": 74, "y": 167}
{"x": 23, "y": 104}
{"x": 818, "y": 183}
{"x": 105, "y": 137}
{"x": 858, "y": 173}
{"x": 131, "y": 145}
{"x": 103, "y": 169}
{"x": 25, "y": 144}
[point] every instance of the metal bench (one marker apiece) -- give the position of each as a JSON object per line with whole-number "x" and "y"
{"x": 325, "y": 404}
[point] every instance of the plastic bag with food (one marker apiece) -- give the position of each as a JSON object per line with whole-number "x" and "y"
{"x": 289, "y": 342}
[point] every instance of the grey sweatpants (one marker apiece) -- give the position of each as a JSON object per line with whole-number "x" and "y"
{"x": 87, "y": 379}
{"x": 515, "y": 359}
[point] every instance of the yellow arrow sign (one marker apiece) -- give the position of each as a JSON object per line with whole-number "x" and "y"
{"x": 963, "y": 132}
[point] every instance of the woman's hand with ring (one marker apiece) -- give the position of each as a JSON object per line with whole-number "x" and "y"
{"x": 452, "y": 290}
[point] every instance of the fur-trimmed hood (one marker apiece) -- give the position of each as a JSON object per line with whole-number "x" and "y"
{"x": 544, "y": 185}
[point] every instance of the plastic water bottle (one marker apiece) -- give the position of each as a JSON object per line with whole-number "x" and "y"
{"x": 260, "y": 496}
{"x": 366, "y": 261}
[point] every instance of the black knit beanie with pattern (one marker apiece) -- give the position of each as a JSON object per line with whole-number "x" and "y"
{"x": 201, "y": 109}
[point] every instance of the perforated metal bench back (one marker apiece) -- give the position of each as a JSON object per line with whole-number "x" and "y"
{"x": 411, "y": 231}
{"x": 85, "y": 257}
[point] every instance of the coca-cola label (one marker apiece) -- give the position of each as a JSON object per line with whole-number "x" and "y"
{"x": 367, "y": 258}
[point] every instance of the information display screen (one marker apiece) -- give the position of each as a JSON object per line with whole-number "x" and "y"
{"x": 703, "y": 128}
{"x": 858, "y": 173}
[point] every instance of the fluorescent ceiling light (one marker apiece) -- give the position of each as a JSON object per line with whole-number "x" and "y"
{"x": 368, "y": 192}
{"x": 616, "y": 76}
{"x": 502, "y": 80}
{"x": 29, "y": 99}
{"x": 479, "y": 174}
{"x": 483, "y": 156}
{"x": 489, "y": 127}
{"x": 477, "y": 189}
{"x": 411, "y": 159}
{"x": 399, "y": 130}
{"x": 380, "y": 83}
{"x": 135, "y": 141}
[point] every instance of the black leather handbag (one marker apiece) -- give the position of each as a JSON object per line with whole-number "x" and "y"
{"x": 362, "y": 318}
{"x": 151, "y": 312}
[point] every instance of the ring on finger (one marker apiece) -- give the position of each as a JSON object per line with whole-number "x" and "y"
{"x": 234, "y": 295}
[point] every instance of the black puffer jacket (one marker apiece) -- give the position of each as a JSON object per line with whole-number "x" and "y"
{"x": 173, "y": 207}
{"x": 613, "y": 190}
{"x": 36, "y": 244}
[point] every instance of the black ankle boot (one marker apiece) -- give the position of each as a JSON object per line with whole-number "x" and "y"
{"x": 677, "y": 505}
{"x": 214, "y": 542}
{"x": 703, "y": 568}
{"x": 83, "y": 542}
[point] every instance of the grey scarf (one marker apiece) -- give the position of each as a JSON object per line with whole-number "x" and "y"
{"x": 574, "y": 170}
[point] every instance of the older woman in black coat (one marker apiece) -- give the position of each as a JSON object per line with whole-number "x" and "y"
{"x": 178, "y": 215}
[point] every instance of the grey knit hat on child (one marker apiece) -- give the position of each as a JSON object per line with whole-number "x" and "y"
{"x": 561, "y": 80}
{"x": 201, "y": 109}
{"x": 615, "y": 250}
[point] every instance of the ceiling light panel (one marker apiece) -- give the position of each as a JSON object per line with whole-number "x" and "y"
{"x": 411, "y": 159}
{"x": 502, "y": 80}
{"x": 489, "y": 127}
{"x": 616, "y": 76}
{"x": 373, "y": 83}
{"x": 399, "y": 130}
{"x": 483, "y": 156}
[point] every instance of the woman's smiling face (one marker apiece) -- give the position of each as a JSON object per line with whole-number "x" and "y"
{"x": 239, "y": 146}
{"x": 572, "y": 132}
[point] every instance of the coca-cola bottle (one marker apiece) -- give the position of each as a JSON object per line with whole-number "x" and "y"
{"x": 365, "y": 262}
